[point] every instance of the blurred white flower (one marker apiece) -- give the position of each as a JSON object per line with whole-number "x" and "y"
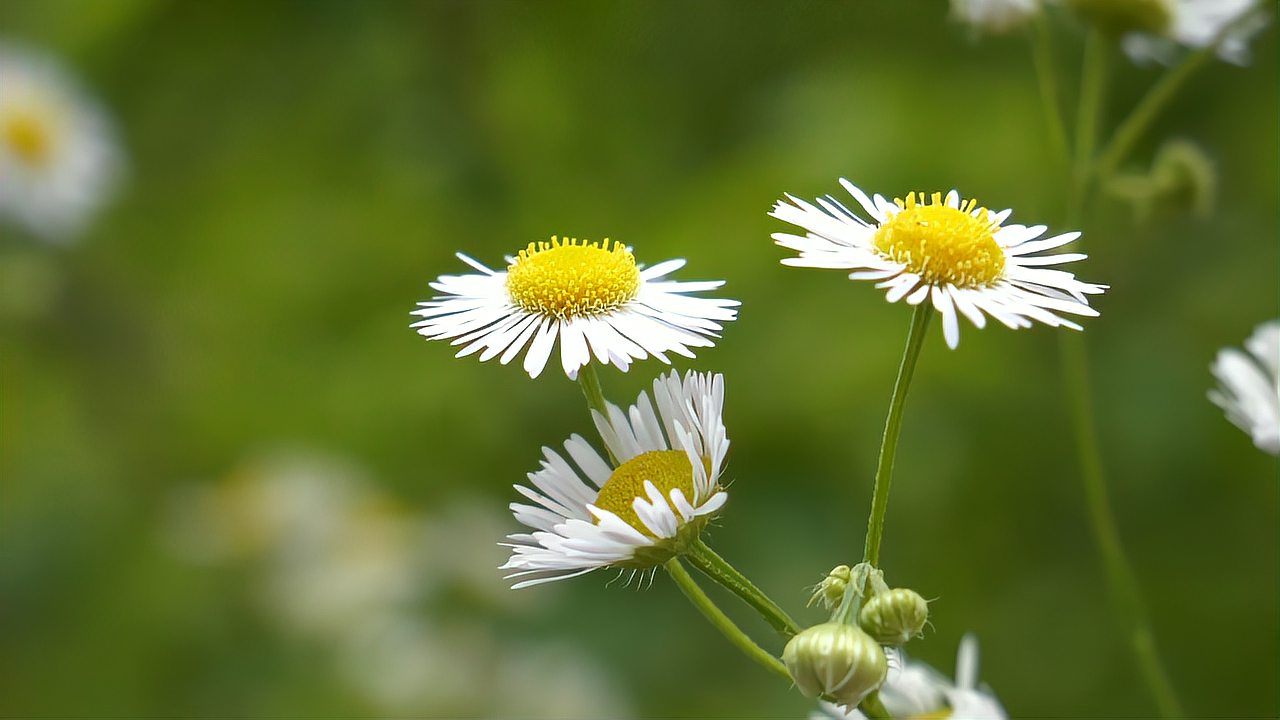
{"x": 994, "y": 16}
{"x": 58, "y": 155}
{"x": 916, "y": 691}
{"x": 1247, "y": 386}
{"x": 1195, "y": 24}
{"x": 338, "y": 565}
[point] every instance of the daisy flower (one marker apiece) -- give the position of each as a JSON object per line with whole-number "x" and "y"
{"x": 961, "y": 257}
{"x": 58, "y": 156}
{"x": 592, "y": 296}
{"x": 994, "y": 16}
{"x": 1247, "y": 386}
{"x": 639, "y": 510}
{"x": 1196, "y": 24}
{"x": 915, "y": 691}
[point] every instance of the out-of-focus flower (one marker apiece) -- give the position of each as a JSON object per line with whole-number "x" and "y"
{"x": 915, "y": 691}
{"x": 959, "y": 256}
{"x": 58, "y": 155}
{"x": 590, "y": 295}
{"x": 994, "y": 16}
{"x": 1153, "y": 29}
{"x": 1247, "y": 386}
{"x": 637, "y": 512}
{"x": 336, "y": 565}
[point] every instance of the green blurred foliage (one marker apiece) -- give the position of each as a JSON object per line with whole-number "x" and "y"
{"x": 301, "y": 170}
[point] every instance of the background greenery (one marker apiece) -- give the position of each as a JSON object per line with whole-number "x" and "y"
{"x": 300, "y": 171}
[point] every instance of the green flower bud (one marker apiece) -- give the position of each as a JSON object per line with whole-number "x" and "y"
{"x": 831, "y": 590}
{"x": 1186, "y": 176}
{"x": 895, "y": 616}
{"x": 1125, "y": 16}
{"x": 835, "y": 661}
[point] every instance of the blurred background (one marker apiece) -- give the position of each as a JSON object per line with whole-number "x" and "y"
{"x": 234, "y": 482}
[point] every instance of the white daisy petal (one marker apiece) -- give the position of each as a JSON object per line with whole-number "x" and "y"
{"x": 599, "y": 514}
{"x": 1248, "y": 385}
{"x": 940, "y": 246}
{"x": 592, "y": 297}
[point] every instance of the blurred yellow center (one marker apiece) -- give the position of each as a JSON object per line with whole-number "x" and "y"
{"x": 666, "y": 469}
{"x": 571, "y": 278}
{"x": 943, "y": 244}
{"x": 942, "y": 714}
{"x": 27, "y": 136}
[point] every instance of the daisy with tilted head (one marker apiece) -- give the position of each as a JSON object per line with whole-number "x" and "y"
{"x": 1249, "y": 386}
{"x": 961, "y": 257}
{"x": 644, "y": 505}
{"x": 591, "y": 296}
{"x": 58, "y": 156}
{"x": 915, "y": 691}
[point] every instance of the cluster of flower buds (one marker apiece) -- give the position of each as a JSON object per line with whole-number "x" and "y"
{"x": 843, "y": 660}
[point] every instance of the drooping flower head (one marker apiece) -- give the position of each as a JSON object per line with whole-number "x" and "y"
{"x": 58, "y": 156}
{"x": 1248, "y": 385}
{"x": 640, "y": 507}
{"x": 592, "y": 296}
{"x": 961, "y": 257}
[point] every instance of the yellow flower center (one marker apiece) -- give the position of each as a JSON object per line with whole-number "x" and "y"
{"x": 571, "y": 278}
{"x": 942, "y": 714}
{"x": 943, "y": 244}
{"x": 666, "y": 469}
{"x": 28, "y": 137}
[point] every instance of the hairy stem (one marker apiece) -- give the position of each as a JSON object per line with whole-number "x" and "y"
{"x": 893, "y": 428}
{"x": 721, "y": 621}
{"x": 718, "y": 569}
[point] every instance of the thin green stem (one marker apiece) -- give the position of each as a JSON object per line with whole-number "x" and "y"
{"x": 1122, "y": 584}
{"x": 1158, "y": 97}
{"x": 721, "y": 621}
{"x": 718, "y": 569}
{"x": 1093, "y": 80}
{"x": 892, "y": 428}
{"x": 1050, "y": 100}
{"x": 589, "y": 380}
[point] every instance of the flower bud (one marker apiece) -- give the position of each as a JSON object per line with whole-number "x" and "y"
{"x": 831, "y": 590}
{"x": 895, "y": 616}
{"x": 835, "y": 661}
{"x": 1125, "y": 16}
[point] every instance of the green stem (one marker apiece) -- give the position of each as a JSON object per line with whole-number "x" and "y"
{"x": 589, "y": 380}
{"x": 1122, "y": 584}
{"x": 718, "y": 569}
{"x": 1042, "y": 55}
{"x": 721, "y": 621}
{"x": 1093, "y": 79}
{"x": 1159, "y": 96}
{"x": 892, "y": 428}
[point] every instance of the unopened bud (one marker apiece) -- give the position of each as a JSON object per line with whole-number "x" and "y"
{"x": 895, "y": 616}
{"x": 1119, "y": 17}
{"x": 1186, "y": 176}
{"x": 835, "y": 661}
{"x": 831, "y": 590}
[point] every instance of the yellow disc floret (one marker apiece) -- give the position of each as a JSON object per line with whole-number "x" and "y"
{"x": 571, "y": 278}
{"x": 666, "y": 469}
{"x": 943, "y": 244}
{"x": 27, "y": 137}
